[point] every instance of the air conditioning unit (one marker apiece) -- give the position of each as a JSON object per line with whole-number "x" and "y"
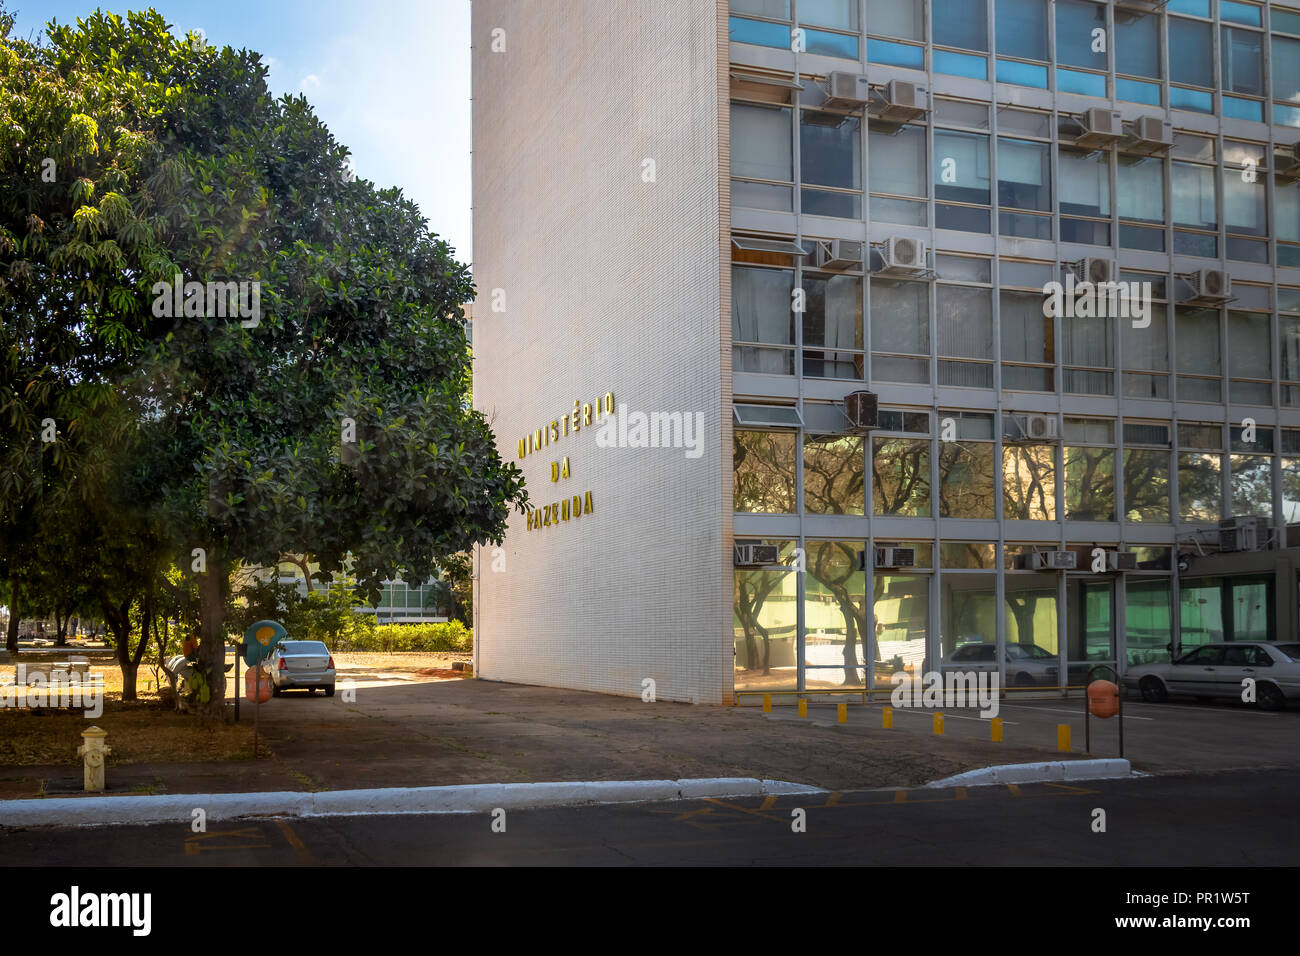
{"x": 1096, "y": 270}
{"x": 1035, "y": 427}
{"x": 1122, "y": 560}
{"x": 1286, "y": 160}
{"x": 895, "y": 557}
{"x": 903, "y": 101}
{"x": 1153, "y": 133}
{"x": 848, "y": 91}
{"x": 839, "y": 254}
{"x": 1239, "y": 534}
{"x": 901, "y": 254}
{"x": 1210, "y": 285}
{"x": 1048, "y": 561}
{"x": 1100, "y": 126}
{"x": 755, "y": 555}
{"x": 862, "y": 410}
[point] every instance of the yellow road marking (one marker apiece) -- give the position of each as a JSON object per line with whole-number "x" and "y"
{"x": 1015, "y": 789}
{"x": 194, "y": 844}
{"x": 900, "y": 796}
{"x": 295, "y": 841}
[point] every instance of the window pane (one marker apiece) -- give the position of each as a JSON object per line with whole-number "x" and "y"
{"x": 1022, "y": 28}
{"x": 897, "y": 160}
{"x": 901, "y": 606}
{"x": 1137, "y": 46}
{"x": 760, "y": 142}
{"x": 960, "y": 23}
{"x": 1148, "y": 620}
{"x": 965, "y": 321}
{"x": 1089, "y": 484}
{"x": 1191, "y": 53}
{"x": 833, "y": 471}
{"x": 1140, "y": 188}
{"x": 1194, "y": 196}
{"x": 1244, "y": 205}
{"x": 969, "y": 603}
{"x": 760, "y": 305}
{"x": 1029, "y": 482}
{"x": 1085, "y": 183}
{"x": 961, "y": 167}
{"x": 1287, "y": 197}
{"x": 1249, "y": 355}
{"x": 966, "y": 480}
{"x": 1075, "y": 22}
{"x": 900, "y": 317}
{"x": 766, "y": 626}
{"x": 900, "y": 477}
{"x": 1198, "y": 341}
{"x": 764, "y": 471}
{"x": 1026, "y": 332}
{"x": 1291, "y": 490}
{"x": 1146, "y": 485}
{"x": 1031, "y": 621}
{"x": 832, "y": 311}
{"x": 835, "y": 646}
{"x": 776, "y": 9}
{"x": 1242, "y": 61}
{"x": 1252, "y": 485}
{"x": 1200, "y": 494}
{"x": 904, "y": 19}
{"x": 1024, "y": 175}
{"x": 830, "y": 154}
{"x": 1286, "y": 69}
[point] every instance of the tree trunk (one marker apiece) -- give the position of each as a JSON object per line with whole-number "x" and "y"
{"x": 212, "y": 637}
{"x": 60, "y": 622}
{"x": 11, "y": 637}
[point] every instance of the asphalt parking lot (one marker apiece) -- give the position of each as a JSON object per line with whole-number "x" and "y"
{"x": 1178, "y": 736}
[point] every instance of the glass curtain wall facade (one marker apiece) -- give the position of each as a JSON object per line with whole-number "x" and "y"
{"x": 1163, "y": 425}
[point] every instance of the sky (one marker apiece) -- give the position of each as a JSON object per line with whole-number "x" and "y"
{"x": 390, "y": 78}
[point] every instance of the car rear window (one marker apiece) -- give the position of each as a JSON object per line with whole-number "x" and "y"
{"x": 305, "y": 647}
{"x": 1290, "y": 650}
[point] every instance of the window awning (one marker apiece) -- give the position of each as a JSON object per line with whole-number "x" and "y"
{"x": 753, "y": 244}
{"x": 769, "y": 80}
{"x": 767, "y": 416}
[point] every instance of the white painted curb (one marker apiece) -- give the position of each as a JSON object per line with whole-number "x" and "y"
{"x": 1100, "y": 769}
{"x": 471, "y": 798}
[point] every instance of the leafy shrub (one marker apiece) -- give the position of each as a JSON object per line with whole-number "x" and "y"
{"x": 446, "y": 636}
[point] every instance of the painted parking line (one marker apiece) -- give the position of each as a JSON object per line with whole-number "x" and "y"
{"x": 1072, "y": 713}
{"x": 946, "y": 714}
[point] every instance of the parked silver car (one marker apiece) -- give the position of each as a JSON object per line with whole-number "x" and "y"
{"x": 306, "y": 664}
{"x": 1028, "y": 665}
{"x": 1218, "y": 670}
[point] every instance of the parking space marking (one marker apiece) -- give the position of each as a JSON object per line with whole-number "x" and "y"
{"x": 197, "y": 843}
{"x": 1072, "y": 713}
{"x": 295, "y": 841}
{"x": 930, "y": 712}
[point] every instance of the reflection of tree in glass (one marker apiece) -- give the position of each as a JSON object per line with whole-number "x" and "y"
{"x": 1029, "y": 482}
{"x": 965, "y": 480}
{"x": 833, "y": 475}
{"x": 764, "y": 472}
{"x": 900, "y": 472}
{"x": 1252, "y": 485}
{"x": 1090, "y": 484}
{"x": 1291, "y": 490}
{"x": 1200, "y": 494}
{"x": 752, "y": 589}
{"x": 1146, "y": 484}
{"x": 834, "y": 564}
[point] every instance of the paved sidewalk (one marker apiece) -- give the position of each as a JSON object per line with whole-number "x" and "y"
{"x": 405, "y": 733}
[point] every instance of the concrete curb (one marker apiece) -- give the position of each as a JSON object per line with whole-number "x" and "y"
{"x": 470, "y": 798}
{"x": 1107, "y": 768}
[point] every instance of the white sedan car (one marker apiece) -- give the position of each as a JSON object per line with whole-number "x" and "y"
{"x": 1220, "y": 670}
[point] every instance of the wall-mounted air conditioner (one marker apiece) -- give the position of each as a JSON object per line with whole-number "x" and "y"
{"x": 1048, "y": 561}
{"x": 1239, "y": 534}
{"x": 903, "y": 255}
{"x": 1100, "y": 127}
{"x": 755, "y": 555}
{"x": 1033, "y": 427}
{"x": 1209, "y": 285}
{"x": 1286, "y": 160}
{"x": 895, "y": 557}
{"x": 862, "y": 408}
{"x": 1122, "y": 560}
{"x": 1152, "y": 134}
{"x": 1096, "y": 270}
{"x": 901, "y": 101}
{"x": 848, "y": 91}
{"x": 839, "y": 254}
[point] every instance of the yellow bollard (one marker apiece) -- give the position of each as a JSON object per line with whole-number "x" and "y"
{"x": 842, "y": 713}
{"x": 767, "y": 703}
{"x": 1063, "y": 737}
{"x": 938, "y": 723}
{"x": 803, "y": 708}
{"x": 886, "y": 717}
{"x": 995, "y": 730}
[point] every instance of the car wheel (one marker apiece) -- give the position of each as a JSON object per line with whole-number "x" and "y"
{"x": 329, "y": 691}
{"x": 1024, "y": 680}
{"x": 1153, "y": 691}
{"x": 1268, "y": 697}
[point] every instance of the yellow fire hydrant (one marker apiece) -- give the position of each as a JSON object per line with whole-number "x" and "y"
{"x": 93, "y": 752}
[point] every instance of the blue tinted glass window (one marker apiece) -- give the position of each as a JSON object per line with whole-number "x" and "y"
{"x": 960, "y": 23}
{"x": 830, "y": 150}
{"x": 1087, "y": 84}
{"x": 1191, "y": 53}
{"x": 1241, "y": 61}
{"x": 961, "y": 167}
{"x": 758, "y": 33}
{"x": 960, "y": 64}
{"x": 1197, "y": 8}
{"x": 776, "y": 9}
{"x": 1286, "y": 69}
{"x": 1022, "y": 74}
{"x": 1193, "y": 100}
{"x": 836, "y": 14}
{"x": 1239, "y": 13}
{"x": 1076, "y": 43}
{"x": 896, "y": 54}
{"x": 1021, "y": 27}
{"x": 1243, "y": 109}
{"x": 1135, "y": 91}
{"x": 832, "y": 44}
{"x": 1137, "y": 46}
